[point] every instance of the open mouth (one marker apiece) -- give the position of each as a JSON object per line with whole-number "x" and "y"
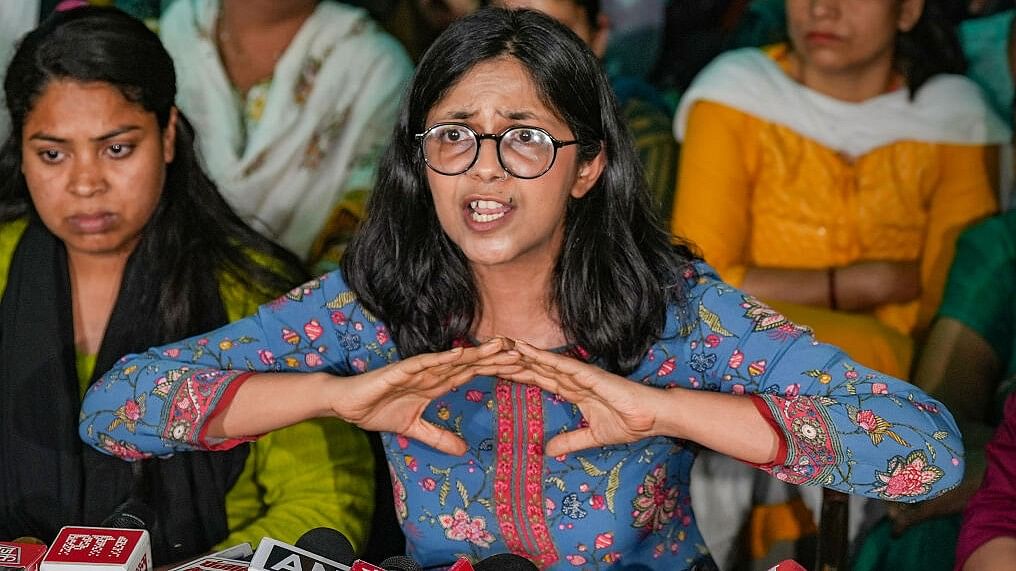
{"x": 483, "y": 211}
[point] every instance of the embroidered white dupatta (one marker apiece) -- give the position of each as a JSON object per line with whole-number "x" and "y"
{"x": 330, "y": 108}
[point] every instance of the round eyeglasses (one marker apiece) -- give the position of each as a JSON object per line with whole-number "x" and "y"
{"x": 524, "y": 152}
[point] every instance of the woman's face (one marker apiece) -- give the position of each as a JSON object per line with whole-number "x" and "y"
{"x": 838, "y": 36}
{"x": 95, "y": 164}
{"x": 495, "y": 218}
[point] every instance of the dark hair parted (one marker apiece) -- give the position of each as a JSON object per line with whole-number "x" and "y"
{"x": 193, "y": 235}
{"x": 929, "y": 48}
{"x": 617, "y": 270}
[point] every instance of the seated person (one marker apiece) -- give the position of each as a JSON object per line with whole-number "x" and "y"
{"x": 836, "y": 185}
{"x": 969, "y": 362}
{"x": 988, "y": 536}
{"x": 543, "y": 361}
{"x": 112, "y": 240}
{"x": 830, "y": 177}
{"x": 292, "y": 101}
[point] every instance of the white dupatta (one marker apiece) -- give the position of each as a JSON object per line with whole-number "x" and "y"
{"x": 948, "y": 108}
{"x": 330, "y": 108}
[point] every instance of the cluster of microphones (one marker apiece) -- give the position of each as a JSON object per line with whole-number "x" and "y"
{"x": 124, "y": 544}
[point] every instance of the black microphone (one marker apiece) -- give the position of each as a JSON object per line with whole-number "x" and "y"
{"x": 505, "y": 562}
{"x": 330, "y": 543}
{"x": 132, "y": 514}
{"x": 400, "y": 563}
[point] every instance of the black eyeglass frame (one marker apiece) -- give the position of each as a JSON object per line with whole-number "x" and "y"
{"x": 480, "y": 137}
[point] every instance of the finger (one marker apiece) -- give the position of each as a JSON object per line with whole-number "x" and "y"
{"x": 561, "y": 363}
{"x": 422, "y": 362}
{"x": 571, "y": 441}
{"x": 437, "y": 438}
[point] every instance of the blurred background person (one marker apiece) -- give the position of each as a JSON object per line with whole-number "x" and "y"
{"x": 641, "y": 105}
{"x": 112, "y": 238}
{"x": 830, "y": 176}
{"x": 293, "y": 100}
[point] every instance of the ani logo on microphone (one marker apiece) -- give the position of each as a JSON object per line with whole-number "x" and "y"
{"x": 274, "y": 555}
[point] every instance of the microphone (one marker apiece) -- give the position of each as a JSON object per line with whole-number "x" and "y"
{"x": 400, "y": 563}
{"x": 505, "y": 562}
{"x": 329, "y": 543}
{"x": 274, "y": 555}
{"x": 87, "y": 548}
{"x": 788, "y": 565}
{"x": 336, "y": 546}
{"x": 132, "y": 514}
{"x": 22, "y": 554}
{"x": 236, "y": 558}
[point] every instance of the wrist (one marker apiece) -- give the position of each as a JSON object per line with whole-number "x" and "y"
{"x": 667, "y": 413}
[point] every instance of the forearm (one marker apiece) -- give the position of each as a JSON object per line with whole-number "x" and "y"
{"x": 861, "y": 286}
{"x": 805, "y": 287}
{"x": 995, "y": 555}
{"x": 728, "y": 424}
{"x": 267, "y": 402}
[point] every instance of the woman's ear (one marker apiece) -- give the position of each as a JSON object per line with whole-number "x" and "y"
{"x": 910, "y": 13}
{"x": 589, "y": 173}
{"x": 169, "y": 137}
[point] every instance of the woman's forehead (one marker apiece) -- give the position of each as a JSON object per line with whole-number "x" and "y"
{"x": 496, "y": 88}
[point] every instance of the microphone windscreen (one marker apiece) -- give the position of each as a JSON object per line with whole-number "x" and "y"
{"x": 505, "y": 562}
{"x": 132, "y": 514}
{"x": 400, "y": 563}
{"x": 329, "y": 543}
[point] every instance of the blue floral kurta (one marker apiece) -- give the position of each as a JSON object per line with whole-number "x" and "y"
{"x": 844, "y": 426}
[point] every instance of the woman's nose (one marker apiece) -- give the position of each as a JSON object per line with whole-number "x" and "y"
{"x": 488, "y": 166}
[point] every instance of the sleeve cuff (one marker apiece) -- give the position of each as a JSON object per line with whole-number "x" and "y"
{"x": 219, "y": 444}
{"x": 767, "y": 415}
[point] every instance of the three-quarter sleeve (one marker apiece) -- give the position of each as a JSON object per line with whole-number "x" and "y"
{"x": 989, "y": 513}
{"x": 843, "y": 425}
{"x": 159, "y": 402}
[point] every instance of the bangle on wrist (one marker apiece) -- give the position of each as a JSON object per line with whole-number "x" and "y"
{"x": 831, "y": 273}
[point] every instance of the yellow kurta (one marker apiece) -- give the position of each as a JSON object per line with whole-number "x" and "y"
{"x": 753, "y": 193}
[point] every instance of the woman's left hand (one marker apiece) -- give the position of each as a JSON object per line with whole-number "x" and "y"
{"x": 616, "y": 409}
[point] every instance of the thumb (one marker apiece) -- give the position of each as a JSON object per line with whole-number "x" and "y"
{"x": 438, "y": 438}
{"x": 571, "y": 441}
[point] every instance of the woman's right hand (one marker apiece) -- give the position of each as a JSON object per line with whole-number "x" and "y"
{"x": 393, "y": 398}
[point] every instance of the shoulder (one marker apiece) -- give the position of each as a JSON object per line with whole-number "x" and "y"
{"x": 959, "y": 108}
{"x": 746, "y": 79}
{"x": 10, "y": 235}
{"x": 354, "y": 28}
{"x": 997, "y": 234}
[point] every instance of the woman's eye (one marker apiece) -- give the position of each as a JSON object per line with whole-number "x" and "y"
{"x": 50, "y": 156}
{"x": 119, "y": 150}
{"x": 454, "y": 135}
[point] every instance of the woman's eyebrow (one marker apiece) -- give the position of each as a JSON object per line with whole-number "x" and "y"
{"x": 43, "y": 136}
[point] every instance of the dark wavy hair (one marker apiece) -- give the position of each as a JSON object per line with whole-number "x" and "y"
{"x": 617, "y": 270}
{"x": 929, "y": 48}
{"x": 193, "y": 233}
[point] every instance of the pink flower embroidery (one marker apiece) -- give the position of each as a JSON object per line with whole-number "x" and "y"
{"x": 313, "y": 359}
{"x": 879, "y": 389}
{"x": 459, "y": 526}
{"x": 655, "y": 503}
{"x": 736, "y": 359}
{"x": 267, "y": 357}
{"x": 907, "y": 477}
{"x": 129, "y": 414}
